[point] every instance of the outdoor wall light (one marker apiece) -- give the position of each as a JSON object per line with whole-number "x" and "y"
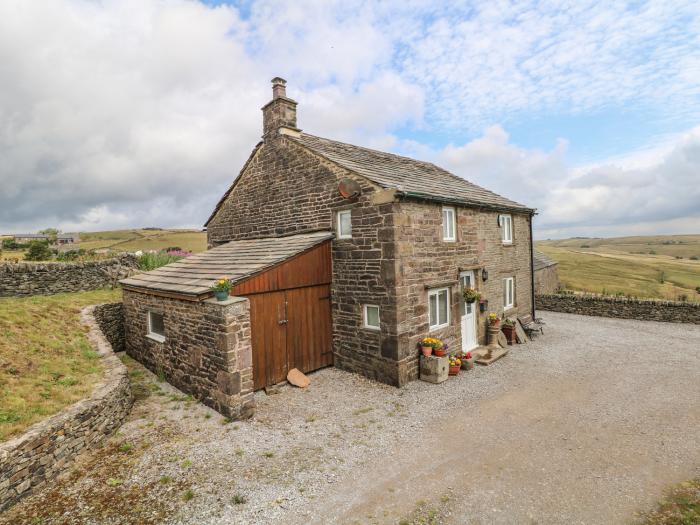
{"x": 484, "y": 275}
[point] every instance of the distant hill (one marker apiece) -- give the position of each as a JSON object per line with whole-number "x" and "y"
{"x": 144, "y": 239}
{"x": 657, "y": 266}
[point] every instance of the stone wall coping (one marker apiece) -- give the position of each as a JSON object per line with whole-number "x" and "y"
{"x": 111, "y": 394}
{"x": 231, "y": 300}
{"x": 616, "y": 299}
{"x": 29, "y": 266}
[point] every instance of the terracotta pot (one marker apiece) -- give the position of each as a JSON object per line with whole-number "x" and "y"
{"x": 427, "y": 350}
{"x": 440, "y": 352}
{"x": 454, "y": 370}
{"x": 509, "y": 331}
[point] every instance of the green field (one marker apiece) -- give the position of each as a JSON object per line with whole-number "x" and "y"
{"x": 133, "y": 240}
{"x": 660, "y": 267}
{"x": 46, "y": 361}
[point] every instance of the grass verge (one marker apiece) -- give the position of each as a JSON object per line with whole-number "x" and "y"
{"x": 681, "y": 506}
{"x": 46, "y": 361}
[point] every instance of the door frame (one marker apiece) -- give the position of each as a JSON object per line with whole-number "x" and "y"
{"x": 468, "y": 345}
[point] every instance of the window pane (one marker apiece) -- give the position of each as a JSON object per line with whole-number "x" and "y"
{"x": 372, "y": 313}
{"x": 445, "y": 225}
{"x": 442, "y": 303}
{"x": 433, "y": 310}
{"x": 345, "y": 224}
{"x": 156, "y": 324}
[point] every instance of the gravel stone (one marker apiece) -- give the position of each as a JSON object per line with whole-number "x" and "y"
{"x": 586, "y": 424}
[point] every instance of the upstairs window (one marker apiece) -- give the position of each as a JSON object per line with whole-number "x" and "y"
{"x": 371, "y": 316}
{"x": 448, "y": 224}
{"x": 156, "y": 326}
{"x": 439, "y": 308}
{"x": 506, "y": 223}
{"x": 344, "y": 224}
{"x": 508, "y": 293}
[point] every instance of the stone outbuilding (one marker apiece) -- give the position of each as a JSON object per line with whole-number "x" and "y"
{"x": 546, "y": 274}
{"x": 340, "y": 255}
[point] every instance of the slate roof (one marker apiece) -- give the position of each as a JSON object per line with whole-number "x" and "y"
{"x": 31, "y": 236}
{"x": 413, "y": 177}
{"x": 542, "y": 261}
{"x": 236, "y": 260}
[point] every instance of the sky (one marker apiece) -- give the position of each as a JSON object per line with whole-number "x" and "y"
{"x": 137, "y": 113}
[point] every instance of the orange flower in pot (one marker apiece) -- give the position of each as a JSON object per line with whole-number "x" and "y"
{"x": 441, "y": 349}
{"x": 455, "y": 365}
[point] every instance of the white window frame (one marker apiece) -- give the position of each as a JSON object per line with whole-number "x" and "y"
{"x": 506, "y": 224}
{"x": 338, "y": 223}
{"x": 154, "y": 335}
{"x": 366, "y": 317}
{"x": 437, "y": 292}
{"x": 508, "y": 293}
{"x": 451, "y": 221}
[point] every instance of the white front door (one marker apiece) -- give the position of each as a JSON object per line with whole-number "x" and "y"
{"x": 466, "y": 280}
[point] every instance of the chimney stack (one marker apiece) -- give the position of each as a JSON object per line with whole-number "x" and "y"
{"x": 279, "y": 88}
{"x": 281, "y": 112}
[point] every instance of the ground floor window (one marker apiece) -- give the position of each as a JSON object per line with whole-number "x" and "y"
{"x": 439, "y": 307}
{"x": 156, "y": 326}
{"x": 371, "y": 316}
{"x": 508, "y": 292}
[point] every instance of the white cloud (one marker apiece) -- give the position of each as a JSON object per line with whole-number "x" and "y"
{"x": 141, "y": 112}
{"x": 658, "y": 191}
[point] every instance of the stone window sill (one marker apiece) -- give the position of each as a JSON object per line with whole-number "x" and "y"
{"x": 157, "y": 338}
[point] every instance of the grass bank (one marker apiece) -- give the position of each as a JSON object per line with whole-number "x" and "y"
{"x": 46, "y": 362}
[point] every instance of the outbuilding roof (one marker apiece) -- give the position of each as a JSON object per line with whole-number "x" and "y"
{"x": 542, "y": 261}
{"x": 236, "y": 260}
{"x": 412, "y": 177}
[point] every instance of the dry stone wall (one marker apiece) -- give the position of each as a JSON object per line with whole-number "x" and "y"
{"x": 621, "y": 307}
{"x": 110, "y": 318}
{"x": 48, "y": 447}
{"x": 46, "y": 278}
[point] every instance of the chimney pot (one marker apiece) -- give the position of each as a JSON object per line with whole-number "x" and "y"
{"x": 279, "y": 88}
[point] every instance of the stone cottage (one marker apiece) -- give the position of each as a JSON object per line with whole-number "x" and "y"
{"x": 339, "y": 255}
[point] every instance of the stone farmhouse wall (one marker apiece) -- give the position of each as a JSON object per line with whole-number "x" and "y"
{"x": 207, "y": 350}
{"x": 47, "y": 449}
{"x": 546, "y": 280}
{"x": 621, "y": 307}
{"x": 46, "y": 278}
{"x": 396, "y": 248}
{"x": 283, "y": 190}
{"x": 426, "y": 261}
{"x": 110, "y": 318}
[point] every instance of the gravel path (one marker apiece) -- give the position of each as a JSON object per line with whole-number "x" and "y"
{"x": 586, "y": 424}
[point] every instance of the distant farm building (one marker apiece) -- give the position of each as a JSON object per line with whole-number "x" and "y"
{"x": 546, "y": 274}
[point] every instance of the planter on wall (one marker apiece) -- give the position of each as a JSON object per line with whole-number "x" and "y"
{"x": 221, "y": 296}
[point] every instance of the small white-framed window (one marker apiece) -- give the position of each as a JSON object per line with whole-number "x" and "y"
{"x": 508, "y": 293}
{"x": 156, "y": 326}
{"x": 506, "y": 223}
{"x": 345, "y": 224}
{"x": 448, "y": 224}
{"x": 371, "y": 315}
{"x": 439, "y": 308}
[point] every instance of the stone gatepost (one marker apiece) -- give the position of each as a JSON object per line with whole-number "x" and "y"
{"x": 232, "y": 394}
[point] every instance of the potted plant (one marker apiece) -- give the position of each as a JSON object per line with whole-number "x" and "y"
{"x": 455, "y": 364}
{"x": 440, "y": 348}
{"x": 509, "y": 330}
{"x": 467, "y": 361}
{"x": 221, "y": 288}
{"x": 471, "y": 295}
{"x": 493, "y": 319}
{"x": 427, "y": 345}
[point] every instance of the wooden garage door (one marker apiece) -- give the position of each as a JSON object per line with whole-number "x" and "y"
{"x": 290, "y": 329}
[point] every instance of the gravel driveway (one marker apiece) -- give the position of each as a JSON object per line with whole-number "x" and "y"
{"x": 586, "y": 424}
